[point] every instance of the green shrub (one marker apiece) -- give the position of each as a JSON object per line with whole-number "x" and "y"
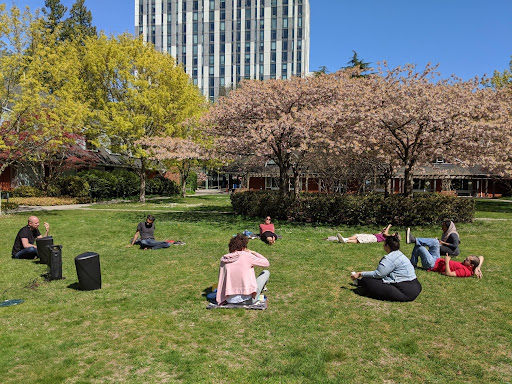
{"x": 107, "y": 185}
{"x": 27, "y": 191}
{"x": 192, "y": 182}
{"x": 72, "y": 186}
{"x": 371, "y": 209}
{"x": 9, "y": 206}
{"x": 161, "y": 186}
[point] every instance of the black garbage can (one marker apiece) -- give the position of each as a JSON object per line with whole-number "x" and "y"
{"x": 43, "y": 250}
{"x": 88, "y": 271}
{"x": 55, "y": 261}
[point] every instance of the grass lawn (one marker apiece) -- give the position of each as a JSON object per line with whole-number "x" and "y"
{"x": 148, "y": 323}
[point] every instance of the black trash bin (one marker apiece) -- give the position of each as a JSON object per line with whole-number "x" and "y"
{"x": 42, "y": 249}
{"x": 88, "y": 271}
{"x": 55, "y": 261}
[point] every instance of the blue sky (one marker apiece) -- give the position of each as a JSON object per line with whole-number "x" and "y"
{"x": 466, "y": 37}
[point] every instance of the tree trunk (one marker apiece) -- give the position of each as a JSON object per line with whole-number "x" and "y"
{"x": 184, "y": 177}
{"x": 283, "y": 181}
{"x": 408, "y": 181}
{"x": 183, "y": 185}
{"x": 142, "y": 192}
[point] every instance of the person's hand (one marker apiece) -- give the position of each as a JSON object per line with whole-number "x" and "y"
{"x": 355, "y": 276}
{"x": 129, "y": 245}
{"x": 447, "y": 258}
{"x": 47, "y": 227}
{"x": 478, "y": 273}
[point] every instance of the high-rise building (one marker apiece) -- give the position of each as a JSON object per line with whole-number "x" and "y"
{"x": 221, "y": 42}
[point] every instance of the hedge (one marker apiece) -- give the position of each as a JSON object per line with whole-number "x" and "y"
{"x": 27, "y": 191}
{"x": 106, "y": 185}
{"x": 72, "y": 186}
{"x": 161, "y": 186}
{"x": 423, "y": 209}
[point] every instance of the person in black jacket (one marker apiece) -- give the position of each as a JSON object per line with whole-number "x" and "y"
{"x": 428, "y": 250}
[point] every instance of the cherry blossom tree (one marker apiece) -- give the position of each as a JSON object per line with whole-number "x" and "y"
{"x": 275, "y": 120}
{"x": 411, "y": 117}
{"x": 182, "y": 153}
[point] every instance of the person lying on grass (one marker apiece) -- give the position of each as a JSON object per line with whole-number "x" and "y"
{"x": 267, "y": 231}
{"x": 470, "y": 266}
{"x": 365, "y": 238}
{"x": 428, "y": 250}
{"x": 394, "y": 279}
{"x": 237, "y": 281}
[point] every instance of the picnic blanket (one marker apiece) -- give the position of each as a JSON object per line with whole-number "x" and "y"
{"x": 261, "y": 304}
{"x": 258, "y": 305}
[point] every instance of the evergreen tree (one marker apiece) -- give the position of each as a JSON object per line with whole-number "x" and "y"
{"x": 358, "y": 65}
{"x": 54, "y": 12}
{"x": 79, "y": 23}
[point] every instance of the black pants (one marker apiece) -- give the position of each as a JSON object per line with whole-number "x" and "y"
{"x": 377, "y": 289}
{"x": 266, "y": 234}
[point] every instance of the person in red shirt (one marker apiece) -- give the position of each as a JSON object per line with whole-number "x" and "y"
{"x": 470, "y": 266}
{"x": 267, "y": 231}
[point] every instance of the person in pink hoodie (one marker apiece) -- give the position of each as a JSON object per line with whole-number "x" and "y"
{"x": 237, "y": 282}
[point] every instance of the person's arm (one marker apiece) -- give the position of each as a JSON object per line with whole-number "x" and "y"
{"x": 447, "y": 270}
{"x": 47, "y": 227}
{"x": 384, "y": 268}
{"x": 258, "y": 259}
{"x": 453, "y": 244}
{"x": 135, "y": 237}
{"x": 26, "y": 244}
{"x": 478, "y": 271}
{"x": 385, "y": 231}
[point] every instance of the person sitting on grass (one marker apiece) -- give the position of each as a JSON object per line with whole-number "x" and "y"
{"x": 146, "y": 230}
{"x": 470, "y": 266}
{"x": 267, "y": 231}
{"x": 237, "y": 282}
{"x": 449, "y": 244}
{"x": 394, "y": 279}
{"x": 365, "y": 238}
{"x": 24, "y": 247}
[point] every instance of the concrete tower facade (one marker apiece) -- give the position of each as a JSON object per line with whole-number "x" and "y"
{"x": 221, "y": 42}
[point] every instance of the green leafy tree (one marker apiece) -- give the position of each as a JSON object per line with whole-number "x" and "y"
{"x": 502, "y": 79}
{"x": 40, "y": 89}
{"x": 138, "y": 92}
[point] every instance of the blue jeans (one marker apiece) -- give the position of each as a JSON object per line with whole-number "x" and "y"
{"x": 152, "y": 244}
{"x": 428, "y": 257}
{"x": 26, "y": 253}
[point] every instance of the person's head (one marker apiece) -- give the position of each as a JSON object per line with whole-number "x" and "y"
{"x": 33, "y": 222}
{"x": 446, "y": 224}
{"x": 150, "y": 219}
{"x": 472, "y": 262}
{"x": 238, "y": 243}
{"x": 267, "y": 220}
{"x": 392, "y": 242}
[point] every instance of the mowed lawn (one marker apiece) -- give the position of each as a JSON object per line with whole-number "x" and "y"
{"x": 148, "y": 323}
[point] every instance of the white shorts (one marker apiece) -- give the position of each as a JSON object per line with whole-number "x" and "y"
{"x": 365, "y": 238}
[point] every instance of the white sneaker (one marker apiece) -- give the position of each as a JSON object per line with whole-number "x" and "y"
{"x": 408, "y": 236}
{"x": 341, "y": 239}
